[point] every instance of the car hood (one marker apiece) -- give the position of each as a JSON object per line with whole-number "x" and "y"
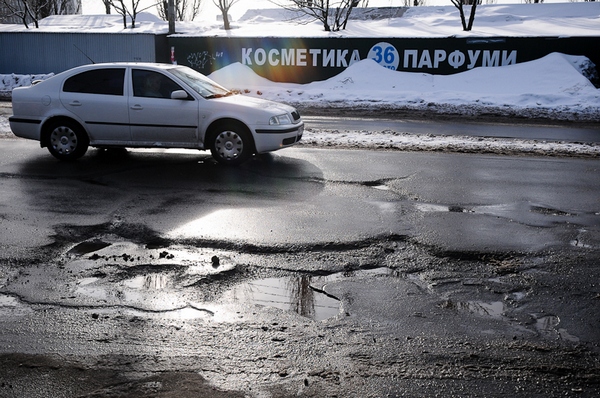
{"x": 243, "y": 101}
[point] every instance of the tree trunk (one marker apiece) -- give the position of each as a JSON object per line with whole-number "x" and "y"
{"x": 226, "y": 25}
{"x": 462, "y": 17}
{"x": 472, "y": 16}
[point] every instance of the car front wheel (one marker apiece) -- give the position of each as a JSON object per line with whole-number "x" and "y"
{"x": 67, "y": 141}
{"x": 231, "y": 144}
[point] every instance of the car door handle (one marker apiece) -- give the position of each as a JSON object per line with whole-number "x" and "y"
{"x": 137, "y": 107}
{"x": 75, "y": 103}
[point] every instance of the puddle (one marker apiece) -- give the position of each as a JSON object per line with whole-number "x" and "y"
{"x": 377, "y": 185}
{"x": 305, "y": 295}
{"x": 433, "y": 208}
{"x": 186, "y": 313}
{"x": 88, "y": 289}
{"x": 87, "y": 281}
{"x": 88, "y": 247}
{"x": 10, "y": 305}
{"x": 381, "y": 187}
{"x": 149, "y": 282}
{"x": 289, "y": 294}
{"x": 549, "y": 211}
{"x": 579, "y": 241}
{"x": 516, "y": 296}
{"x": 495, "y": 309}
{"x": 548, "y": 324}
{"x": 8, "y": 301}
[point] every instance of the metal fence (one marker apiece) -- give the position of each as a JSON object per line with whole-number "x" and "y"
{"x": 48, "y": 52}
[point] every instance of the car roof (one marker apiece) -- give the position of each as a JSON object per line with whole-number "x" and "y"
{"x": 82, "y": 68}
{"x": 126, "y": 64}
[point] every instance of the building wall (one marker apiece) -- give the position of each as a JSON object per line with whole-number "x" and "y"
{"x": 34, "y": 52}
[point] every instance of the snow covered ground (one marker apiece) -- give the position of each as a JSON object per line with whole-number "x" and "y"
{"x": 555, "y": 87}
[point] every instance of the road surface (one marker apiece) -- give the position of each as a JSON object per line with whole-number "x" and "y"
{"x": 308, "y": 272}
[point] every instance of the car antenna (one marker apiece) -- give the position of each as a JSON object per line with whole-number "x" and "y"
{"x": 91, "y": 60}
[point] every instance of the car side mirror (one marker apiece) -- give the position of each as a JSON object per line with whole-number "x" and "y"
{"x": 179, "y": 94}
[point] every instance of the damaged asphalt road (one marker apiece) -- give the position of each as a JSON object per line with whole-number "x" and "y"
{"x": 308, "y": 272}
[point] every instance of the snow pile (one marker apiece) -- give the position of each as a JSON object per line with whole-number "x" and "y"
{"x": 393, "y": 140}
{"x": 8, "y": 82}
{"x": 551, "y": 87}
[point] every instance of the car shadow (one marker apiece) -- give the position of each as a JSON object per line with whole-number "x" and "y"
{"x": 161, "y": 188}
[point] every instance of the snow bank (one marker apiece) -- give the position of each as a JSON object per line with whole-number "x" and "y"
{"x": 8, "y": 82}
{"x": 553, "y": 85}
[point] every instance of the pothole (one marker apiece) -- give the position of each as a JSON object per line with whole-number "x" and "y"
{"x": 10, "y": 305}
{"x": 305, "y": 295}
{"x": 88, "y": 247}
{"x": 292, "y": 293}
{"x": 583, "y": 239}
{"x": 150, "y": 281}
{"x": 548, "y": 325}
{"x": 548, "y": 211}
{"x": 8, "y": 301}
{"x": 493, "y": 309}
{"x": 434, "y": 208}
{"x": 379, "y": 184}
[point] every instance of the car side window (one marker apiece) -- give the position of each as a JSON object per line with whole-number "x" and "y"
{"x": 107, "y": 81}
{"x": 152, "y": 84}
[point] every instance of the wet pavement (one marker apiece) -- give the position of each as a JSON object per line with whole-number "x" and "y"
{"x": 304, "y": 273}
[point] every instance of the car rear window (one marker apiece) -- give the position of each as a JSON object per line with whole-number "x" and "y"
{"x": 98, "y": 81}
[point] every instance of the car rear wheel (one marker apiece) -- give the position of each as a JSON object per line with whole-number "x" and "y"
{"x": 67, "y": 140}
{"x": 231, "y": 144}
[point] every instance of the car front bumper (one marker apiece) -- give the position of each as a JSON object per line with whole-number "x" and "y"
{"x": 267, "y": 140}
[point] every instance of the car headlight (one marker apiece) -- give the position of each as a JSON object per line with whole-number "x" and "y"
{"x": 281, "y": 119}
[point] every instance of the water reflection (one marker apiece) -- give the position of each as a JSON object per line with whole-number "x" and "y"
{"x": 149, "y": 282}
{"x": 494, "y": 309}
{"x": 293, "y": 293}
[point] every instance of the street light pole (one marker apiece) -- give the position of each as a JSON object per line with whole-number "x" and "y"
{"x": 171, "y": 16}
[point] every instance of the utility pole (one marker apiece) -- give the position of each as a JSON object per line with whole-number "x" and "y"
{"x": 171, "y": 16}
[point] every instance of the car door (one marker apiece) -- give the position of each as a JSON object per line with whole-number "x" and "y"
{"x": 157, "y": 119}
{"x": 97, "y": 98}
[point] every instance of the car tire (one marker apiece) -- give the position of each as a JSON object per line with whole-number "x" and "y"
{"x": 66, "y": 140}
{"x": 231, "y": 144}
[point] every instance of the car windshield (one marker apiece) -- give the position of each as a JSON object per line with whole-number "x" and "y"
{"x": 200, "y": 83}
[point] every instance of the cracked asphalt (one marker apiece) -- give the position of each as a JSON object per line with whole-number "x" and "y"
{"x": 308, "y": 272}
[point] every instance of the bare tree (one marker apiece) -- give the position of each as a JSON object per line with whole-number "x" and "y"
{"x": 333, "y": 14}
{"x": 415, "y": 3}
{"x": 106, "y": 6}
{"x": 224, "y": 6}
{"x": 122, "y": 9}
{"x": 20, "y": 10}
{"x": 467, "y": 26}
{"x": 185, "y": 10}
{"x": 32, "y": 11}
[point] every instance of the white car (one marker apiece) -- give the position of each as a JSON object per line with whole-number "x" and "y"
{"x": 149, "y": 106}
